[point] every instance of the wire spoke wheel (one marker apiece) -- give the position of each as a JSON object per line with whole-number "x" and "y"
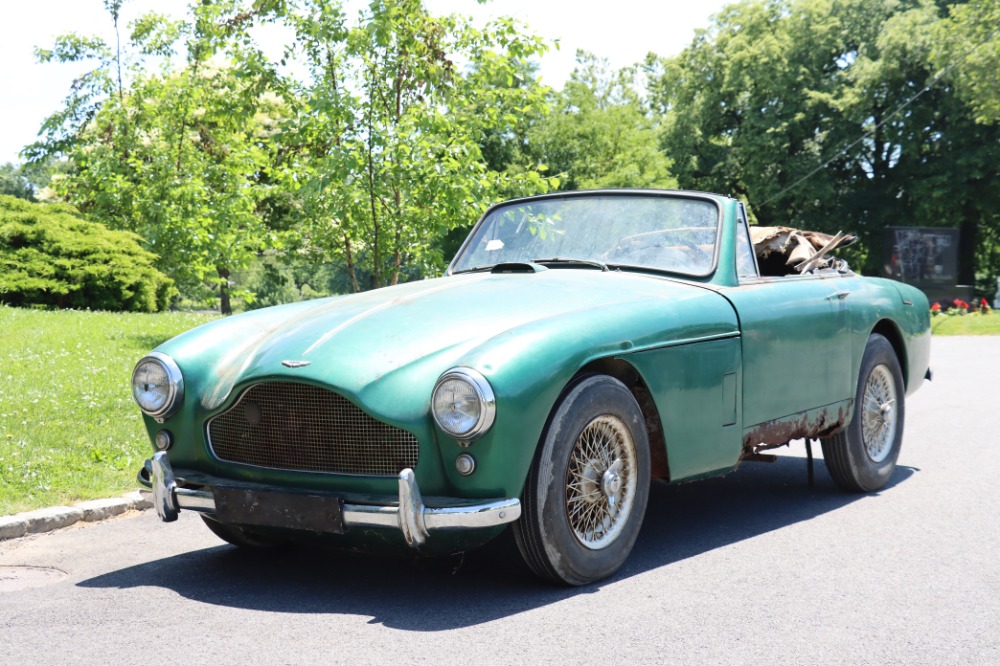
{"x": 878, "y": 425}
{"x": 601, "y": 482}
{"x": 587, "y": 489}
{"x": 862, "y": 456}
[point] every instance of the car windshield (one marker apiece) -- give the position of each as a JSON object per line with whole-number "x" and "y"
{"x": 669, "y": 233}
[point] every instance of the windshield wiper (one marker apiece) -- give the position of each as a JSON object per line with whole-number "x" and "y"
{"x": 474, "y": 269}
{"x": 572, "y": 262}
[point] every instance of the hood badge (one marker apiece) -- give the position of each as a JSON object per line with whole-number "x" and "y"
{"x": 295, "y": 364}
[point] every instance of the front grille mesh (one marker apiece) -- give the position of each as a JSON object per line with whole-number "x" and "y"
{"x": 300, "y": 427}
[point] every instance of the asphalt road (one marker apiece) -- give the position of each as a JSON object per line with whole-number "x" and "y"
{"x": 754, "y": 568}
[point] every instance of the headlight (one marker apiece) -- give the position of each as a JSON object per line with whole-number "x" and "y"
{"x": 157, "y": 385}
{"x": 463, "y": 404}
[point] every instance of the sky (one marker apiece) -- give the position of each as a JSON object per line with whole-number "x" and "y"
{"x": 623, "y": 31}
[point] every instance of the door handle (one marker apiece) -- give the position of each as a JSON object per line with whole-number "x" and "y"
{"x": 840, "y": 295}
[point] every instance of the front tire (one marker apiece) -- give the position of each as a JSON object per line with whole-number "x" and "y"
{"x": 586, "y": 493}
{"x": 862, "y": 457}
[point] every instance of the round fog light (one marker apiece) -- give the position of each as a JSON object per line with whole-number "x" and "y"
{"x": 465, "y": 464}
{"x": 163, "y": 440}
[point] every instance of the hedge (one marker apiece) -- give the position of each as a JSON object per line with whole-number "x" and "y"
{"x": 50, "y": 256}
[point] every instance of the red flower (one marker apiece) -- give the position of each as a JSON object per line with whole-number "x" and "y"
{"x": 936, "y": 307}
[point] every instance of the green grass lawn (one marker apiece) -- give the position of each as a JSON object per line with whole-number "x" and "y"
{"x": 69, "y": 430}
{"x": 970, "y": 324}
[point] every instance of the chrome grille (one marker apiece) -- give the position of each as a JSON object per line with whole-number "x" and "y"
{"x": 299, "y": 427}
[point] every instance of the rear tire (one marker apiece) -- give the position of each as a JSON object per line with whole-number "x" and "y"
{"x": 862, "y": 457}
{"x": 586, "y": 492}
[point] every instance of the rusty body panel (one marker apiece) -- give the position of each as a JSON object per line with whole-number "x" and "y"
{"x": 659, "y": 467}
{"x": 814, "y": 423}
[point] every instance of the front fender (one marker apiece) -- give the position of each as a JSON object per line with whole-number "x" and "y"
{"x": 530, "y": 367}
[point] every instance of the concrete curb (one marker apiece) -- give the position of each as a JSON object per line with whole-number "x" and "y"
{"x": 55, "y": 517}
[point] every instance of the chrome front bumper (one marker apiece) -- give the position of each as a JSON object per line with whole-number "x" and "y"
{"x": 410, "y": 515}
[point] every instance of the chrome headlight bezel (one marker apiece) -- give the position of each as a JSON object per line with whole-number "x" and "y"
{"x": 484, "y": 394}
{"x": 175, "y": 385}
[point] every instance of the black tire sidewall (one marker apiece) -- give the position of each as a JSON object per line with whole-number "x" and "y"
{"x": 593, "y": 396}
{"x": 871, "y": 475}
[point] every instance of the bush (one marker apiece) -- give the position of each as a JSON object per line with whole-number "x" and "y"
{"x": 50, "y": 256}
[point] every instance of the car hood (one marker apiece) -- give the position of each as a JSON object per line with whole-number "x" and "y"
{"x": 413, "y": 332}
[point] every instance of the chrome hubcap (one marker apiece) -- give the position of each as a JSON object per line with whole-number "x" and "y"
{"x": 601, "y": 482}
{"x": 611, "y": 484}
{"x": 878, "y": 414}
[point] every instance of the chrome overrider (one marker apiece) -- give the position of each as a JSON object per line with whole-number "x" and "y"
{"x": 411, "y": 516}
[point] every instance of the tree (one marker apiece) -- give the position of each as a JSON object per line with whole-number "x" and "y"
{"x": 599, "y": 134}
{"x": 746, "y": 106}
{"x": 387, "y": 132}
{"x": 969, "y": 43}
{"x": 369, "y": 161}
{"x": 14, "y": 183}
{"x": 830, "y": 114}
{"x": 967, "y": 52}
{"x": 175, "y": 155}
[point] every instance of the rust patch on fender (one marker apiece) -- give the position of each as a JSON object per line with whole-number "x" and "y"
{"x": 659, "y": 468}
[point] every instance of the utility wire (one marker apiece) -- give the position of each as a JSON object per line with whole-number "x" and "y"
{"x": 866, "y": 133}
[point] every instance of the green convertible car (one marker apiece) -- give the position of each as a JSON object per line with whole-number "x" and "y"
{"x": 579, "y": 346}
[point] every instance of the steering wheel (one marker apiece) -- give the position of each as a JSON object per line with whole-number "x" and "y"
{"x": 660, "y": 239}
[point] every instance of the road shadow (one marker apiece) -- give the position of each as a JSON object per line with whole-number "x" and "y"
{"x": 682, "y": 521}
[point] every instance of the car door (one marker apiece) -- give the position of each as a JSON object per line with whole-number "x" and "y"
{"x": 796, "y": 344}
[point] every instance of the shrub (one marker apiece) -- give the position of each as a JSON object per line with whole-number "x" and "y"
{"x": 50, "y": 256}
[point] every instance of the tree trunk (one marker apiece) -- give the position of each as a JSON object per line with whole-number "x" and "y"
{"x": 967, "y": 245}
{"x": 397, "y": 255}
{"x": 397, "y": 258}
{"x": 350, "y": 264}
{"x": 372, "y": 196}
{"x": 225, "y": 307}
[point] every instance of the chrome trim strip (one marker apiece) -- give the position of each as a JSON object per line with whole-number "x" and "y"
{"x": 489, "y": 514}
{"x": 414, "y": 519}
{"x": 196, "y": 500}
{"x": 192, "y": 500}
{"x": 676, "y": 343}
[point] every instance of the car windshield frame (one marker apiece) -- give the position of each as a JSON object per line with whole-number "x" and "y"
{"x": 568, "y": 261}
